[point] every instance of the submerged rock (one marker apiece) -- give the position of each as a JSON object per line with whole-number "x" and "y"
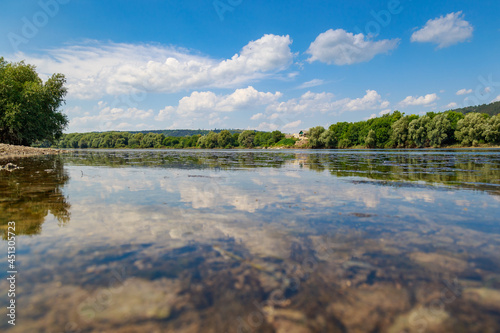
{"x": 420, "y": 319}
{"x": 489, "y": 298}
{"x": 438, "y": 261}
{"x": 367, "y": 308}
{"x": 9, "y": 167}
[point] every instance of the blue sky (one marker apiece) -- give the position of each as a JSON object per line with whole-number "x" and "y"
{"x": 138, "y": 65}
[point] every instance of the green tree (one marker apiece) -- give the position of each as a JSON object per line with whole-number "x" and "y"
{"x": 246, "y": 139}
{"x": 344, "y": 143}
{"x": 148, "y": 141}
{"x": 135, "y": 140}
{"x": 224, "y": 139}
{"x": 212, "y": 140}
{"x": 400, "y": 135}
{"x": 437, "y": 129}
{"x": 417, "y": 130}
{"x": 492, "y": 130}
{"x": 314, "y": 137}
{"x": 277, "y": 136}
{"x": 107, "y": 141}
{"x": 235, "y": 139}
{"x": 371, "y": 139}
{"x": 328, "y": 139}
{"x": 95, "y": 142}
{"x": 339, "y": 131}
{"x": 158, "y": 140}
{"x": 29, "y": 108}
{"x": 470, "y": 130}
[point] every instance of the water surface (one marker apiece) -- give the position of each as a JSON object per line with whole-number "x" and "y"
{"x": 255, "y": 241}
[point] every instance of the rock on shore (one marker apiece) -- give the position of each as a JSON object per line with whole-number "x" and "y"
{"x": 9, "y": 151}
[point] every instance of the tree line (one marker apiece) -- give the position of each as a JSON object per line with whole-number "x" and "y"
{"x": 223, "y": 139}
{"x": 490, "y": 109}
{"x": 397, "y": 130}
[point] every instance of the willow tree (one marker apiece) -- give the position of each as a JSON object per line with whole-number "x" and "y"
{"x": 29, "y": 107}
{"x": 470, "y": 130}
{"x": 437, "y": 129}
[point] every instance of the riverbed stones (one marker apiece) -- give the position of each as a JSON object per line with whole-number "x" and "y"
{"x": 9, "y": 151}
{"x": 486, "y": 297}
{"x": 9, "y": 167}
{"x": 421, "y": 319}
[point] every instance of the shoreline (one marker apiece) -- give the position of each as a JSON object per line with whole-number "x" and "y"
{"x": 280, "y": 148}
{"x": 12, "y": 151}
{"x": 8, "y": 151}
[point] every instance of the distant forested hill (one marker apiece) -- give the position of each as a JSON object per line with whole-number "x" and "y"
{"x": 491, "y": 109}
{"x": 185, "y": 132}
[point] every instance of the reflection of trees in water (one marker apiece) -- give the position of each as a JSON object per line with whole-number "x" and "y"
{"x": 187, "y": 159}
{"x": 467, "y": 170}
{"x": 31, "y": 192}
{"x": 480, "y": 172}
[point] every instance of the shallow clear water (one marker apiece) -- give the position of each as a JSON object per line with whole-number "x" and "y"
{"x": 255, "y": 241}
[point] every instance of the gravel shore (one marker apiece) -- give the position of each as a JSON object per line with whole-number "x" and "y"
{"x": 9, "y": 151}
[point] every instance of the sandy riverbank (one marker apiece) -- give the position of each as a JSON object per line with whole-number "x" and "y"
{"x": 10, "y": 151}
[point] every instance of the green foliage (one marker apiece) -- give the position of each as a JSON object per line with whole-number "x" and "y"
{"x": 371, "y": 139}
{"x": 400, "y": 135}
{"x": 388, "y": 131}
{"x": 328, "y": 139}
{"x": 246, "y": 139}
{"x": 262, "y": 139}
{"x": 277, "y": 136}
{"x": 492, "y": 130}
{"x": 344, "y": 143}
{"x": 489, "y": 109}
{"x": 28, "y": 107}
{"x": 208, "y": 141}
{"x": 382, "y": 126}
{"x": 135, "y": 140}
{"x": 314, "y": 137}
{"x": 225, "y": 139}
{"x": 470, "y": 130}
{"x": 437, "y": 129}
{"x": 417, "y": 130}
{"x": 286, "y": 142}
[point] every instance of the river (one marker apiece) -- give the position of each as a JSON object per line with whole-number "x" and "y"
{"x": 254, "y": 241}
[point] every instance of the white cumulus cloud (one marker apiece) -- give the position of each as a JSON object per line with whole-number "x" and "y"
{"x": 444, "y": 30}
{"x": 344, "y": 48}
{"x": 111, "y": 118}
{"x": 257, "y": 116}
{"x": 452, "y": 105}
{"x": 324, "y": 102}
{"x": 208, "y": 101}
{"x": 95, "y": 69}
{"x": 372, "y": 100}
{"x": 292, "y": 125}
{"x": 464, "y": 92}
{"x": 264, "y": 126}
{"x": 497, "y": 99}
{"x": 422, "y": 100}
{"x": 203, "y": 105}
